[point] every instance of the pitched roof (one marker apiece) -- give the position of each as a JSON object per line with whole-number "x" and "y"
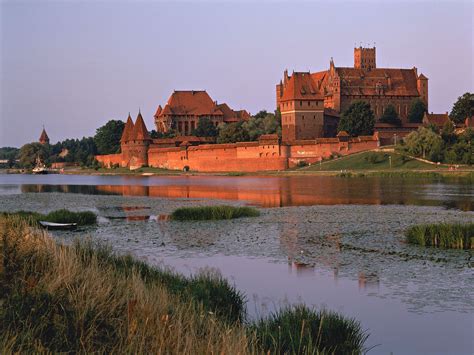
{"x": 127, "y": 130}
{"x": 139, "y": 130}
{"x": 189, "y": 103}
{"x": 44, "y": 136}
{"x": 302, "y": 86}
{"x": 395, "y": 82}
{"x": 438, "y": 119}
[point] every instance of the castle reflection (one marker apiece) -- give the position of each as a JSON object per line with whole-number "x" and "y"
{"x": 286, "y": 191}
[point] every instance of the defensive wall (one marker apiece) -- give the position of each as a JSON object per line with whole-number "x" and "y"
{"x": 264, "y": 155}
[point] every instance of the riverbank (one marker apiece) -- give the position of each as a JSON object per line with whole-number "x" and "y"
{"x": 84, "y": 298}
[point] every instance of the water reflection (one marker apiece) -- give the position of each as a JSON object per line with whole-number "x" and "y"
{"x": 284, "y": 191}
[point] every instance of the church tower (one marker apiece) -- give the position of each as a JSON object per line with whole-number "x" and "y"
{"x": 44, "y": 139}
{"x": 364, "y": 58}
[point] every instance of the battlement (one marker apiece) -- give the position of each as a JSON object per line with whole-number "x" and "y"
{"x": 365, "y": 58}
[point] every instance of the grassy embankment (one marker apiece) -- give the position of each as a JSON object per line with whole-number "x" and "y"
{"x": 84, "y": 298}
{"x": 383, "y": 164}
{"x": 213, "y": 213}
{"x": 58, "y": 216}
{"x": 442, "y": 235}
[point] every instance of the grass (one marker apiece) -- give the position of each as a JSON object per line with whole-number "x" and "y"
{"x": 58, "y": 216}
{"x": 213, "y": 213}
{"x": 372, "y": 161}
{"x": 84, "y": 298}
{"x": 301, "y": 330}
{"x": 442, "y": 235}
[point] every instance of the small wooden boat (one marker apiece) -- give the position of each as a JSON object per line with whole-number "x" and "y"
{"x": 58, "y": 226}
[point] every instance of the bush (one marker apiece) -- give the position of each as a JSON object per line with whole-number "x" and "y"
{"x": 58, "y": 216}
{"x": 300, "y": 330}
{"x": 213, "y": 213}
{"x": 442, "y": 235}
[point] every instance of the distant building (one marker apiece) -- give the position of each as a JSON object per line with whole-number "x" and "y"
{"x": 44, "y": 139}
{"x": 436, "y": 119}
{"x": 184, "y": 109}
{"x": 303, "y": 96}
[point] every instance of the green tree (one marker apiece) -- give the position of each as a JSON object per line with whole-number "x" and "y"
{"x": 448, "y": 134}
{"x": 424, "y": 143}
{"x": 233, "y": 132}
{"x": 107, "y": 137}
{"x": 463, "y": 108}
{"x": 9, "y": 152}
{"x": 31, "y": 151}
{"x": 357, "y": 120}
{"x": 417, "y": 111}
{"x": 205, "y": 128}
{"x": 390, "y": 116}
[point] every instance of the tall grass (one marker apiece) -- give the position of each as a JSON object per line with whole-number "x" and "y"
{"x": 213, "y": 213}
{"x": 301, "y": 330}
{"x": 442, "y": 235}
{"x": 58, "y": 216}
{"x": 84, "y": 298}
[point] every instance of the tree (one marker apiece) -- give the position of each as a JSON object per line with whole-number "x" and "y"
{"x": 448, "y": 134}
{"x": 390, "y": 115}
{"x": 417, "y": 111}
{"x": 233, "y": 132}
{"x": 424, "y": 143}
{"x": 357, "y": 120}
{"x": 31, "y": 151}
{"x": 463, "y": 108}
{"x": 107, "y": 137}
{"x": 205, "y": 128}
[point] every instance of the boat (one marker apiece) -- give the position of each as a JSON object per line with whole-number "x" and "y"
{"x": 40, "y": 167}
{"x": 58, "y": 226}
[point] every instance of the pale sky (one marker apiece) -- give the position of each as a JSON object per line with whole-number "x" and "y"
{"x": 74, "y": 65}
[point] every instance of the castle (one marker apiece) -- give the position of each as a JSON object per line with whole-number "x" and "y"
{"x": 308, "y": 100}
{"x": 310, "y": 106}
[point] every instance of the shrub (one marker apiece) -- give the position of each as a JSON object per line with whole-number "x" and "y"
{"x": 442, "y": 235}
{"x": 301, "y": 330}
{"x": 58, "y": 216}
{"x": 213, "y": 213}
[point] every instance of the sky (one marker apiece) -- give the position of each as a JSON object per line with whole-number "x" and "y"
{"x": 73, "y": 65}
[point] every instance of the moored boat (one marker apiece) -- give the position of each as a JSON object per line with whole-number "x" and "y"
{"x": 58, "y": 226}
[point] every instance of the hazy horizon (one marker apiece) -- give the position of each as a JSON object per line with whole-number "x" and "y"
{"x": 73, "y": 66}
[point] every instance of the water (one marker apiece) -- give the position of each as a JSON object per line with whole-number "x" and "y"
{"x": 335, "y": 243}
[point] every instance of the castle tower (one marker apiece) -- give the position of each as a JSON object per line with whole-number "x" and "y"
{"x": 44, "y": 139}
{"x": 364, "y": 58}
{"x": 139, "y": 140}
{"x": 422, "y": 86}
{"x": 125, "y": 140}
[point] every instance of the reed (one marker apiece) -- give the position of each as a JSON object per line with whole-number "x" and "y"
{"x": 213, "y": 213}
{"x": 442, "y": 235}
{"x": 301, "y": 330}
{"x": 58, "y": 216}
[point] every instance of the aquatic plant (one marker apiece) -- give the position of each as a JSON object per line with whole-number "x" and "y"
{"x": 302, "y": 330}
{"x": 442, "y": 235}
{"x": 213, "y": 213}
{"x": 58, "y": 216}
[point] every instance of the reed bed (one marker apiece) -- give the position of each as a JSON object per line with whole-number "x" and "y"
{"x": 442, "y": 235}
{"x": 84, "y": 298}
{"x": 58, "y": 216}
{"x": 213, "y": 213}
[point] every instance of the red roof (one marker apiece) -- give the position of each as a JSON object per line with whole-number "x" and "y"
{"x": 302, "y": 86}
{"x": 438, "y": 119}
{"x": 44, "y": 137}
{"x": 127, "y": 130}
{"x": 189, "y": 103}
{"x": 140, "y": 131}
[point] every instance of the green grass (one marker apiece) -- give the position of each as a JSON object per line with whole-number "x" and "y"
{"x": 372, "y": 161}
{"x": 442, "y": 235}
{"x": 213, "y": 213}
{"x": 58, "y": 216}
{"x": 301, "y": 330}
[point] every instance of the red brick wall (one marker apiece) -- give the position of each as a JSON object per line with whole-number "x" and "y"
{"x": 109, "y": 160}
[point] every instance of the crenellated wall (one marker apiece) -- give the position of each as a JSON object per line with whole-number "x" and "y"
{"x": 264, "y": 155}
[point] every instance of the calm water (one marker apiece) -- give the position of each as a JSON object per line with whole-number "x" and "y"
{"x": 334, "y": 242}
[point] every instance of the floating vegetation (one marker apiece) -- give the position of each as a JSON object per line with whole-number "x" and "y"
{"x": 302, "y": 330}
{"x": 213, "y": 213}
{"x": 442, "y": 235}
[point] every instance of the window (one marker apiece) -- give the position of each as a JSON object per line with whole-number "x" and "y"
{"x": 301, "y": 103}
{"x": 309, "y": 103}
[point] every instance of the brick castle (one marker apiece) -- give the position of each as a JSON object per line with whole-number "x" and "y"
{"x": 310, "y": 106}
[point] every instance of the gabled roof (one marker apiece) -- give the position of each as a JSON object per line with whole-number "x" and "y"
{"x": 127, "y": 130}
{"x": 302, "y": 86}
{"x": 44, "y": 136}
{"x": 395, "y": 82}
{"x": 140, "y": 131}
{"x": 189, "y": 103}
{"x": 438, "y": 119}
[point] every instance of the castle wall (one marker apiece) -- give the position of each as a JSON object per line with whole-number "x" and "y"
{"x": 109, "y": 159}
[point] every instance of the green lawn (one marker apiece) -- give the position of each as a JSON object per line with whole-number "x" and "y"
{"x": 373, "y": 161}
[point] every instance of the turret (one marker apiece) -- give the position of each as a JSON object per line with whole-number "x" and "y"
{"x": 139, "y": 141}
{"x": 44, "y": 139}
{"x": 124, "y": 141}
{"x": 422, "y": 86}
{"x": 364, "y": 58}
